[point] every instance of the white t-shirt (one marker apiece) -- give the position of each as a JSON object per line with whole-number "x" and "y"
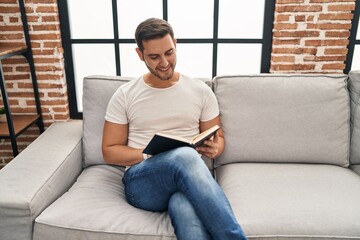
{"x": 175, "y": 110}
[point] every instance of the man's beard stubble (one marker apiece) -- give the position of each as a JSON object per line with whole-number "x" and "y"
{"x": 157, "y": 74}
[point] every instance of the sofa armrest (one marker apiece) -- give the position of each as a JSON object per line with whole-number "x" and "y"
{"x": 38, "y": 176}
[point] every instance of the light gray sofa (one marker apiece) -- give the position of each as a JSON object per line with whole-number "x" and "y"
{"x": 289, "y": 167}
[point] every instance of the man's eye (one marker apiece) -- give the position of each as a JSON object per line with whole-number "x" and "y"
{"x": 169, "y": 52}
{"x": 153, "y": 57}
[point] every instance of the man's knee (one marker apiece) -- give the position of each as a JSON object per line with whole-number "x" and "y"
{"x": 188, "y": 156}
{"x": 185, "y": 152}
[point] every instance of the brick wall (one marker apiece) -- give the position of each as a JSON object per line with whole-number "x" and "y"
{"x": 309, "y": 36}
{"x": 42, "y": 16}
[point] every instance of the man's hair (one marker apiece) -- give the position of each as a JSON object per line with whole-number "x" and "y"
{"x": 152, "y": 28}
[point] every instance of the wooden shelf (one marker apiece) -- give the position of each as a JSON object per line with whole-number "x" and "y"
{"x": 7, "y": 50}
{"x": 21, "y": 122}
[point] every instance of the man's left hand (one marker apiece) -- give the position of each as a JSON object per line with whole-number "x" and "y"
{"x": 210, "y": 148}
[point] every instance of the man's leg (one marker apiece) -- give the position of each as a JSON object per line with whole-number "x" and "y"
{"x": 150, "y": 184}
{"x": 184, "y": 219}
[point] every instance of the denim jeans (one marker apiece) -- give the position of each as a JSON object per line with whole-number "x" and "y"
{"x": 178, "y": 181}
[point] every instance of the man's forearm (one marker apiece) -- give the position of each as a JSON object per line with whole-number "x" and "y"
{"x": 122, "y": 155}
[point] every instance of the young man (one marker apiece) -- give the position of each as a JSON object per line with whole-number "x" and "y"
{"x": 178, "y": 180}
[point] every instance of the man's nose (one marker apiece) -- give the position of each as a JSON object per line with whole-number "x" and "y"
{"x": 163, "y": 61}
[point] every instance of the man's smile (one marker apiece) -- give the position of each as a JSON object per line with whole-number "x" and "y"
{"x": 162, "y": 69}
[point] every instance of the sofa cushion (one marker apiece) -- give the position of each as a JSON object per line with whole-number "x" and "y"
{"x": 354, "y": 88}
{"x": 302, "y": 201}
{"x": 284, "y": 118}
{"x": 356, "y": 168}
{"x": 95, "y": 208}
{"x": 96, "y": 95}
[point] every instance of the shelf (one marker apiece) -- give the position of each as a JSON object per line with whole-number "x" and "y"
{"x": 8, "y": 51}
{"x": 21, "y": 122}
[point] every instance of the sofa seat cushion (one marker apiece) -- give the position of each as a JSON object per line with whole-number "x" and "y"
{"x": 356, "y": 168}
{"x": 301, "y": 201}
{"x": 95, "y": 208}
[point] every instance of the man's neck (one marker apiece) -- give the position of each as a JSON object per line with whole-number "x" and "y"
{"x": 156, "y": 82}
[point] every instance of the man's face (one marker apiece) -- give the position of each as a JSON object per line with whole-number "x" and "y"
{"x": 159, "y": 56}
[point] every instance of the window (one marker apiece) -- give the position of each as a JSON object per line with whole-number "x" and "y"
{"x": 353, "y": 56}
{"x": 215, "y": 37}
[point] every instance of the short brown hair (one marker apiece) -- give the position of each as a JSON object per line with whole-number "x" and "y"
{"x": 152, "y": 28}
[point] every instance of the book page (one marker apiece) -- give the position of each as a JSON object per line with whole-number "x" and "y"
{"x": 205, "y": 133}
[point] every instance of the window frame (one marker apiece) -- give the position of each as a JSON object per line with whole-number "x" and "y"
{"x": 352, "y": 39}
{"x": 265, "y": 41}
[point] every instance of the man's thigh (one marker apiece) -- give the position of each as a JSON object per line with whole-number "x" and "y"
{"x": 149, "y": 184}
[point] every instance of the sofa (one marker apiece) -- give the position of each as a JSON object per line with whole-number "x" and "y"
{"x": 290, "y": 169}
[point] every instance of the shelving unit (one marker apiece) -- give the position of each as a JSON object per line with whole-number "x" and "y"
{"x": 17, "y": 124}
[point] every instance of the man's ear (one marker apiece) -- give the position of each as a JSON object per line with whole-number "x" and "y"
{"x": 140, "y": 54}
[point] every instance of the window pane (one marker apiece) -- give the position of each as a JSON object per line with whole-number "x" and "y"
{"x": 91, "y": 59}
{"x": 91, "y": 19}
{"x": 131, "y": 65}
{"x": 239, "y": 59}
{"x": 355, "y": 65}
{"x": 241, "y": 19}
{"x": 131, "y": 13}
{"x": 192, "y": 19}
{"x": 194, "y": 60}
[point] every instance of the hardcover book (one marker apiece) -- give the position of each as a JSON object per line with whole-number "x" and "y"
{"x": 164, "y": 142}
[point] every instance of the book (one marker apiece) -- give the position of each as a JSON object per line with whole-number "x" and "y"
{"x": 163, "y": 142}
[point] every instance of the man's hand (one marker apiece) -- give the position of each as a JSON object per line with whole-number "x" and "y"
{"x": 211, "y": 147}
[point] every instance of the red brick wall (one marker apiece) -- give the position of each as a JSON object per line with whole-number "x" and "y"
{"x": 42, "y": 16}
{"x": 309, "y": 36}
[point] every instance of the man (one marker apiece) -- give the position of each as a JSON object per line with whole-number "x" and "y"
{"x": 178, "y": 180}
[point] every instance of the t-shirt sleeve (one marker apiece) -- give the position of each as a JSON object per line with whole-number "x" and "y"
{"x": 116, "y": 109}
{"x": 210, "y": 106}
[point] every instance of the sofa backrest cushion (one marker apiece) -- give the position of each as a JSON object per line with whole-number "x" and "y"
{"x": 354, "y": 88}
{"x": 284, "y": 118}
{"x": 97, "y": 92}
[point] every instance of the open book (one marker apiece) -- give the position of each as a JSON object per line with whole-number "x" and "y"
{"x": 164, "y": 142}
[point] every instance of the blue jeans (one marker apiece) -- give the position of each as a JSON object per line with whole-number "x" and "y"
{"x": 180, "y": 182}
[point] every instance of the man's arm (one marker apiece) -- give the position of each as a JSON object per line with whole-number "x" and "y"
{"x": 215, "y": 146}
{"x": 114, "y": 146}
